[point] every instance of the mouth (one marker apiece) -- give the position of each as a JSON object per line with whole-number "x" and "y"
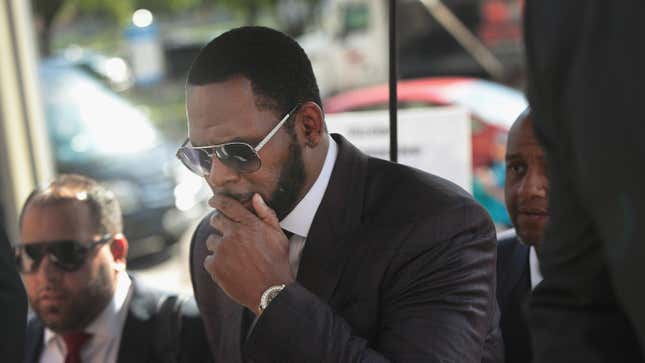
{"x": 245, "y": 199}
{"x": 533, "y": 215}
{"x": 52, "y": 297}
{"x": 533, "y": 211}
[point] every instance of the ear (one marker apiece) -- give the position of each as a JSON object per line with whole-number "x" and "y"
{"x": 119, "y": 248}
{"x": 310, "y": 124}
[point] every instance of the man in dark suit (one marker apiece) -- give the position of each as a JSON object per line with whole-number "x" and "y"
{"x": 317, "y": 252}
{"x": 72, "y": 259}
{"x": 14, "y": 304}
{"x": 586, "y": 87}
{"x": 526, "y": 192}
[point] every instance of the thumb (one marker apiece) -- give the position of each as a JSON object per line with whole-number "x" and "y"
{"x": 264, "y": 212}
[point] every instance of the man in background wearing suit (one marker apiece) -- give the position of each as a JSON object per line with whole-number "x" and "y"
{"x": 13, "y": 302}
{"x": 586, "y": 85}
{"x": 72, "y": 258}
{"x": 317, "y": 252}
{"x": 518, "y": 272}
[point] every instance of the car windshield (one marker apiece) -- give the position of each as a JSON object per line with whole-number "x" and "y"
{"x": 86, "y": 120}
{"x": 497, "y": 104}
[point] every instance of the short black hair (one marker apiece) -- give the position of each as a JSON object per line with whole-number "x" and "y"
{"x": 277, "y": 67}
{"x": 103, "y": 205}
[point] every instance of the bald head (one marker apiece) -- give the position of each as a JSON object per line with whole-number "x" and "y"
{"x": 527, "y": 184}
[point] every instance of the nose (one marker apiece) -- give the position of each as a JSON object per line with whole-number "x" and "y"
{"x": 48, "y": 271}
{"x": 534, "y": 185}
{"x": 220, "y": 174}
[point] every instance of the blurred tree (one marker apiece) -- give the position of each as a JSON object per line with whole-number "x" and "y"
{"x": 46, "y": 12}
{"x": 292, "y": 14}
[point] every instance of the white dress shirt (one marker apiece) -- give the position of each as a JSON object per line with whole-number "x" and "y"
{"x": 103, "y": 346}
{"x": 299, "y": 220}
{"x": 534, "y": 268}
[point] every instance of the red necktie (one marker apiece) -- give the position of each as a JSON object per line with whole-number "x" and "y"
{"x": 74, "y": 342}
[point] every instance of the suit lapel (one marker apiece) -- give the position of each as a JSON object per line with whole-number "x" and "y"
{"x": 525, "y": 280}
{"x": 522, "y": 264}
{"x": 34, "y": 342}
{"x": 328, "y": 244}
{"x": 138, "y": 330}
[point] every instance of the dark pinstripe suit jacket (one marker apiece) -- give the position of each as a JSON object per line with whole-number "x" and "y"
{"x": 399, "y": 265}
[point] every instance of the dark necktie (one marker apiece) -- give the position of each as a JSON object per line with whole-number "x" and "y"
{"x": 74, "y": 343}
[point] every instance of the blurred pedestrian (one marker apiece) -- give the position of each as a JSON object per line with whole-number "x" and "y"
{"x": 586, "y": 85}
{"x": 318, "y": 252}
{"x": 87, "y": 309}
{"x": 518, "y": 271}
{"x": 14, "y": 305}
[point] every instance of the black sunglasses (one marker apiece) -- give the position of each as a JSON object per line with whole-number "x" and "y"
{"x": 68, "y": 255}
{"x": 237, "y": 155}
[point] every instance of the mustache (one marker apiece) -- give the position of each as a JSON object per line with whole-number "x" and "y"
{"x": 240, "y": 197}
{"x": 50, "y": 289}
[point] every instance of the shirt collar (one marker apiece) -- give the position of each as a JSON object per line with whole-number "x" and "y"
{"x": 110, "y": 321}
{"x": 534, "y": 265}
{"x": 299, "y": 220}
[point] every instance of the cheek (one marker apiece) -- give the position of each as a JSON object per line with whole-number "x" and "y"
{"x": 265, "y": 179}
{"x": 31, "y": 285}
{"x": 510, "y": 196}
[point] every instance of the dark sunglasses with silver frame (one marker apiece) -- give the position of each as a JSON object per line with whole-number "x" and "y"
{"x": 68, "y": 255}
{"x": 237, "y": 155}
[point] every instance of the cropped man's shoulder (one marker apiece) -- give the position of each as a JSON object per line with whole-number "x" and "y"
{"x": 413, "y": 193}
{"x": 509, "y": 246}
{"x": 507, "y": 239}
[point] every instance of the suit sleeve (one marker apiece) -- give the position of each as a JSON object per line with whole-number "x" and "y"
{"x": 585, "y": 86}
{"x": 437, "y": 302}
{"x": 14, "y": 305}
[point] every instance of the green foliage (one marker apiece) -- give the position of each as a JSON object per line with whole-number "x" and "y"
{"x": 118, "y": 10}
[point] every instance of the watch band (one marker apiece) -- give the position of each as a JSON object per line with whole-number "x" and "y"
{"x": 268, "y": 295}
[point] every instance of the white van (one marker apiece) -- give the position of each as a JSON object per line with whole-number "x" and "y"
{"x": 349, "y": 46}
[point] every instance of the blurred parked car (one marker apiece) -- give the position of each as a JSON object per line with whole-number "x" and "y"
{"x": 114, "y": 71}
{"x": 493, "y": 108}
{"x": 96, "y": 132}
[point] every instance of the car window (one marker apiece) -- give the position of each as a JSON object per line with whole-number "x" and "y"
{"x": 86, "y": 119}
{"x": 355, "y": 18}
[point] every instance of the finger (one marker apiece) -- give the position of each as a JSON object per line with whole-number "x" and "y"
{"x": 264, "y": 212}
{"x": 222, "y": 224}
{"x": 232, "y": 208}
{"x": 209, "y": 266}
{"x": 212, "y": 242}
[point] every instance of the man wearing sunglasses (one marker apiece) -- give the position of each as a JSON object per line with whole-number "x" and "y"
{"x": 72, "y": 258}
{"x": 317, "y": 252}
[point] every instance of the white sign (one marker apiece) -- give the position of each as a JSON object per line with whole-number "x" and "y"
{"x": 436, "y": 140}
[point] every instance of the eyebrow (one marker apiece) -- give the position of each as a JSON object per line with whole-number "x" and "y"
{"x": 514, "y": 156}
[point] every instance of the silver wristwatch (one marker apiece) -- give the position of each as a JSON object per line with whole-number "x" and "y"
{"x": 268, "y": 295}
